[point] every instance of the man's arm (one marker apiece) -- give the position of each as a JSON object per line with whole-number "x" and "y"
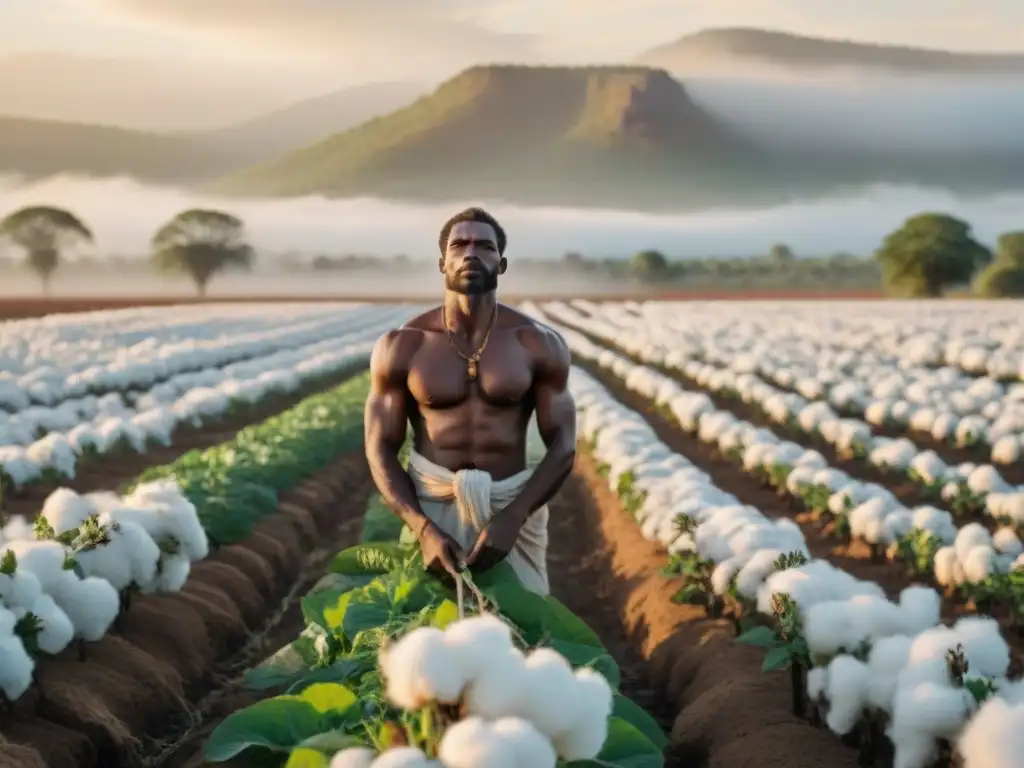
{"x": 556, "y": 422}
{"x": 385, "y": 421}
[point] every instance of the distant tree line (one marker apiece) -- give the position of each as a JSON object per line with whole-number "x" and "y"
{"x": 930, "y": 254}
{"x": 197, "y": 242}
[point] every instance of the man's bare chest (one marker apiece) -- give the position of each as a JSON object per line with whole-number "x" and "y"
{"x": 439, "y": 377}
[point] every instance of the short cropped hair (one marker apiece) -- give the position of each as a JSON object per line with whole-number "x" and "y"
{"x": 472, "y": 214}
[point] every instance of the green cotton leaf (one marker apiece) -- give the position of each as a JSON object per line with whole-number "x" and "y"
{"x": 9, "y": 563}
{"x": 538, "y": 617}
{"x": 777, "y": 658}
{"x": 303, "y": 757}
{"x": 625, "y": 747}
{"x": 762, "y": 637}
{"x": 326, "y": 608}
{"x": 632, "y": 713}
{"x": 282, "y": 723}
{"x": 444, "y": 614}
{"x": 595, "y": 657}
{"x": 374, "y": 557}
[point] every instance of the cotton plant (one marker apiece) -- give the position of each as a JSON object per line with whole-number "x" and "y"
{"x": 480, "y": 702}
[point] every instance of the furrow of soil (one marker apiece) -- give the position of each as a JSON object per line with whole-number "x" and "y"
{"x": 719, "y": 710}
{"x": 109, "y": 471}
{"x": 854, "y": 557}
{"x": 150, "y": 690}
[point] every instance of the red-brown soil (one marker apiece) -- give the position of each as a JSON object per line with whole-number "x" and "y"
{"x": 12, "y": 308}
{"x": 151, "y": 679}
{"x": 719, "y": 709}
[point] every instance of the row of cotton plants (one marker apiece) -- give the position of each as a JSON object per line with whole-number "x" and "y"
{"x": 965, "y": 487}
{"x": 68, "y": 575}
{"x": 108, "y": 422}
{"x": 37, "y": 372}
{"x": 870, "y": 662}
{"x": 982, "y": 339}
{"x": 980, "y": 565}
{"x": 850, "y": 374}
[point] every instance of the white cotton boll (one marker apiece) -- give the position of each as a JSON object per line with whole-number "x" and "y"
{"x": 479, "y": 640}
{"x": 65, "y": 510}
{"x": 407, "y": 757}
{"x": 758, "y": 568}
{"x": 56, "y": 630}
{"x": 550, "y": 688}
{"x": 870, "y": 617}
{"x": 979, "y": 564}
{"x": 817, "y": 682}
{"x": 528, "y": 745}
{"x": 969, "y": 537}
{"x": 586, "y": 735}
{"x": 16, "y": 666}
{"x": 1006, "y": 542}
{"x": 353, "y": 757}
{"x": 724, "y": 573}
{"x": 17, "y": 529}
{"x": 826, "y": 629}
{"x": 471, "y": 743}
{"x": 984, "y": 646}
{"x": 21, "y": 589}
{"x": 847, "y": 693}
{"x": 91, "y": 603}
{"x": 945, "y": 565}
{"x": 920, "y": 609}
{"x": 499, "y": 689}
{"x": 172, "y": 574}
{"x": 921, "y": 715}
{"x": 887, "y": 658}
{"x": 994, "y": 737}
{"x": 420, "y": 668}
{"x": 43, "y": 558}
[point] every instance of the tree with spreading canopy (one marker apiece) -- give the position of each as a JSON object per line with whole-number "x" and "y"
{"x": 649, "y": 264}
{"x": 201, "y": 243}
{"x": 43, "y": 233}
{"x": 929, "y": 253}
{"x": 781, "y": 254}
{"x": 1010, "y": 248}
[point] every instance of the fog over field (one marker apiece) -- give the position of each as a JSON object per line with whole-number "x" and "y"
{"x": 865, "y": 111}
{"x": 124, "y": 214}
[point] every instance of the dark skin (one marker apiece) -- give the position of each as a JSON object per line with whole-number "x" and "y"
{"x": 418, "y": 378}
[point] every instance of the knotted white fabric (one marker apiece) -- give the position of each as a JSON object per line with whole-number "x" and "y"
{"x": 461, "y": 503}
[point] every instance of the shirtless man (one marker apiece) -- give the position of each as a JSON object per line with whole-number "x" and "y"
{"x": 468, "y": 376}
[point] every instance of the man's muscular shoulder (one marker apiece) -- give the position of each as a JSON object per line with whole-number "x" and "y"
{"x": 393, "y": 353}
{"x": 545, "y": 346}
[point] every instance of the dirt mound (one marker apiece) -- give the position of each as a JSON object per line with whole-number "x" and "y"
{"x": 680, "y": 665}
{"x": 140, "y": 682}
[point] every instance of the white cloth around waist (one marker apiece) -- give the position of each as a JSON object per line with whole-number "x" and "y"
{"x": 462, "y": 502}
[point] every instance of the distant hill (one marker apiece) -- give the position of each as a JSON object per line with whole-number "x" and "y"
{"x": 45, "y": 147}
{"x": 588, "y": 135}
{"x": 300, "y": 124}
{"x": 42, "y": 147}
{"x": 725, "y": 51}
{"x": 624, "y": 137}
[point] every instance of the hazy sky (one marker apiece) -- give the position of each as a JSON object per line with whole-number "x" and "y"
{"x": 400, "y": 38}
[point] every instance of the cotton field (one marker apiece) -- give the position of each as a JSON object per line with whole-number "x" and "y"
{"x": 794, "y": 536}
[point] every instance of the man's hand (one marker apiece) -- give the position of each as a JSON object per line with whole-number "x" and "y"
{"x": 495, "y": 541}
{"x": 441, "y": 553}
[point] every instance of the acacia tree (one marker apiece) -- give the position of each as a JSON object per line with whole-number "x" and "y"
{"x": 649, "y": 264}
{"x": 43, "y": 233}
{"x": 929, "y": 253}
{"x": 201, "y": 243}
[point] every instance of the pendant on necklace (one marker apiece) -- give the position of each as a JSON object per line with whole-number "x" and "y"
{"x": 471, "y": 370}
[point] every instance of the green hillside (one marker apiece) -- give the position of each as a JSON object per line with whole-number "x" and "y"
{"x": 544, "y": 134}
{"x": 733, "y": 48}
{"x": 45, "y": 147}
